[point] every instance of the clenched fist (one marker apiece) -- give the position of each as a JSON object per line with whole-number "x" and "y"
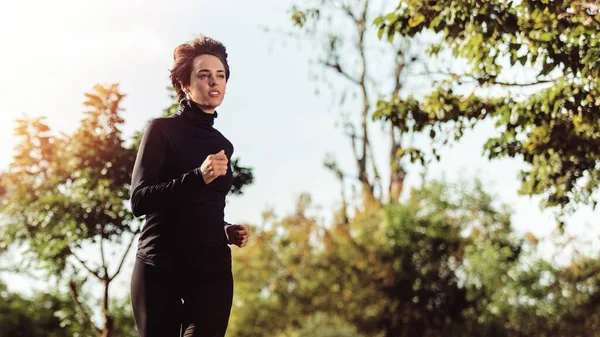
{"x": 214, "y": 166}
{"x": 237, "y": 234}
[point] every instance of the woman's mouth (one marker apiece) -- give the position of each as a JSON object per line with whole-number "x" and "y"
{"x": 214, "y": 93}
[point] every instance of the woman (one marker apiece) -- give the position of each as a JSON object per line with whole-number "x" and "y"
{"x": 182, "y": 275}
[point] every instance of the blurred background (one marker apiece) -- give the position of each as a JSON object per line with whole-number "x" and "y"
{"x": 409, "y": 168}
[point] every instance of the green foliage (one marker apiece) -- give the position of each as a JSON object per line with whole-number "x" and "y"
{"x": 299, "y": 17}
{"x": 54, "y": 314}
{"x": 31, "y": 317}
{"x": 446, "y": 262}
{"x": 539, "y": 299}
{"x": 449, "y": 244}
{"x": 556, "y": 131}
{"x": 323, "y": 325}
{"x": 67, "y": 193}
{"x": 64, "y": 191}
{"x": 124, "y": 322}
{"x": 420, "y": 268}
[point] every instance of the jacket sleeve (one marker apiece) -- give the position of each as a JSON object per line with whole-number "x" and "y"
{"x": 148, "y": 193}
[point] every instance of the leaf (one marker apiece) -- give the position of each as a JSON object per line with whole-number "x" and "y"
{"x": 416, "y": 20}
{"x": 546, "y": 36}
{"x": 390, "y": 17}
{"x": 378, "y": 21}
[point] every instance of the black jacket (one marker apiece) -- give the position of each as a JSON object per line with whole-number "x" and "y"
{"x": 184, "y": 216}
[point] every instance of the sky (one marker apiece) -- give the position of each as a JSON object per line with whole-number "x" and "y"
{"x": 53, "y": 52}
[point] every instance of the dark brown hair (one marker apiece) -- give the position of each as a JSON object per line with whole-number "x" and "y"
{"x": 185, "y": 53}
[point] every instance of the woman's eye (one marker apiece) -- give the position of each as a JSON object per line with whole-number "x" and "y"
{"x": 221, "y": 76}
{"x": 203, "y": 76}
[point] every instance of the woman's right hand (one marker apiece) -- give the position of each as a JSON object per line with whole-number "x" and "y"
{"x": 237, "y": 234}
{"x": 214, "y": 166}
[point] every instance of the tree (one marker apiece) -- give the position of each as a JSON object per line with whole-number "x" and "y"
{"x": 363, "y": 70}
{"x": 554, "y": 128}
{"x": 544, "y": 300}
{"x": 35, "y": 317}
{"x": 429, "y": 266}
{"x": 322, "y": 325}
{"x": 54, "y": 314}
{"x": 446, "y": 261}
{"x": 66, "y": 195}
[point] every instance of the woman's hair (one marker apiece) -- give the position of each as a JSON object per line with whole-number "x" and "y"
{"x": 185, "y": 53}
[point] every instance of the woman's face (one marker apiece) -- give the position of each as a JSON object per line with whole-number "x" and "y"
{"x": 207, "y": 82}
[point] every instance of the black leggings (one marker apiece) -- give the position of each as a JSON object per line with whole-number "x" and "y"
{"x": 189, "y": 304}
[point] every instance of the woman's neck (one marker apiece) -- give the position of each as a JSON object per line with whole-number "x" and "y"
{"x": 206, "y": 109}
{"x": 196, "y": 114}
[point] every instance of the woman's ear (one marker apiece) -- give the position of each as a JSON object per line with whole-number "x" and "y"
{"x": 185, "y": 88}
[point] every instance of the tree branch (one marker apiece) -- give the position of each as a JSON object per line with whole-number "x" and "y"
{"x": 82, "y": 308}
{"x": 336, "y": 66}
{"x": 361, "y": 29}
{"x": 508, "y": 84}
{"x": 95, "y": 273}
{"x": 376, "y": 175}
{"x": 331, "y": 164}
{"x": 134, "y": 236}
{"x": 397, "y": 172}
{"x": 352, "y": 134}
{"x": 489, "y": 81}
{"x": 104, "y": 266}
{"x": 345, "y": 7}
{"x": 398, "y": 72}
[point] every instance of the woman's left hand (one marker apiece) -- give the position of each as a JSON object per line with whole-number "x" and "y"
{"x": 238, "y": 234}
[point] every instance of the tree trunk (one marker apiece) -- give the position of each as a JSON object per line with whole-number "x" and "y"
{"x": 397, "y": 172}
{"x": 107, "y": 331}
{"x": 368, "y": 189}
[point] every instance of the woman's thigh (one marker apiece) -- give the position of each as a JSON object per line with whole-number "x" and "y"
{"x": 207, "y": 304}
{"x": 156, "y": 301}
